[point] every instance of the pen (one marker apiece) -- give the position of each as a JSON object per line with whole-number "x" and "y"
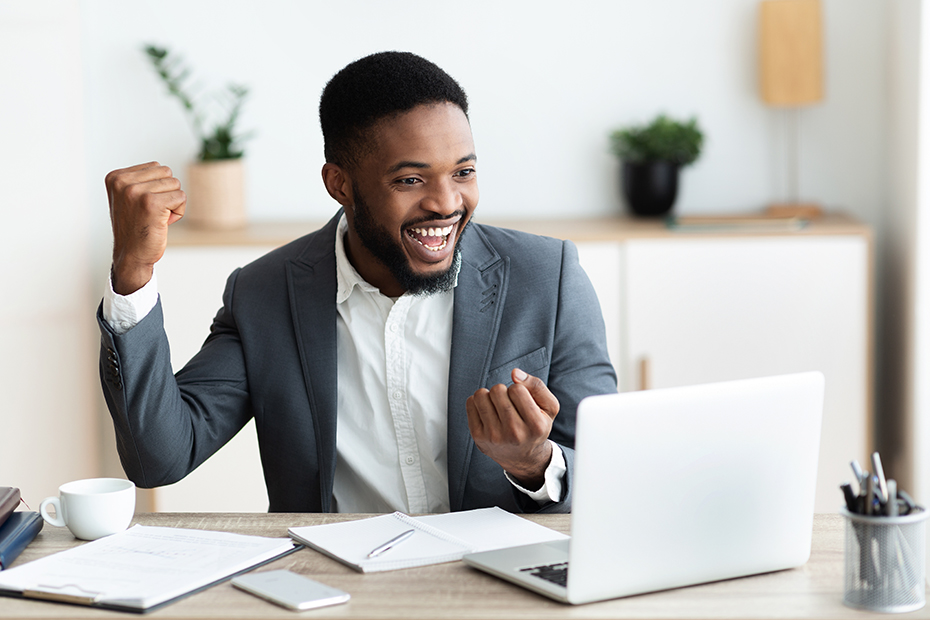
{"x": 877, "y": 468}
{"x": 892, "y": 498}
{"x": 859, "y": 474}
{"x": 850, "y": 497}
{"x": 869, "y": 494}
{"x": 390, "y": 544}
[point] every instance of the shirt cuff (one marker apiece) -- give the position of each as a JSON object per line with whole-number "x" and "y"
{"x": 551, "y": 490}
{"x": 123, "y": 312}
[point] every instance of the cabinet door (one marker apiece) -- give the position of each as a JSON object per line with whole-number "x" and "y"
{"x": 703, "y": 310}
{"x": 601, "y": 261}
{"x": 191, "y": 282}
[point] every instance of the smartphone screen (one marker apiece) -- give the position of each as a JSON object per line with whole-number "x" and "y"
{"x": 290, "y": 590}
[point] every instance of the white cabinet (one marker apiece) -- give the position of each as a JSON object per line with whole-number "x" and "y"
{"x": 679, "y": 309}
{"x": 702, "y": 310}
{"x": 191, "y": 280}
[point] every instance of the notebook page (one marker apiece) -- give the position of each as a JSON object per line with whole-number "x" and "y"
{"x": 351, "y": 542}
{"x": 485, "y": 529}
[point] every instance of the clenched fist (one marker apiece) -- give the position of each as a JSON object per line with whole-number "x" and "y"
{"x": 512, "y": 424}
{"x": 144, "y": 201}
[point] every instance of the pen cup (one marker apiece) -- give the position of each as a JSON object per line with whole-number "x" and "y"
{"x": 885, "y": 562}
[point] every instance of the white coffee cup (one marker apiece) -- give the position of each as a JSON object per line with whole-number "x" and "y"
{"x": 92, "y": 508}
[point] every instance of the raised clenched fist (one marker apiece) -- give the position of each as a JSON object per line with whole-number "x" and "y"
{"x": 144, "y": 201}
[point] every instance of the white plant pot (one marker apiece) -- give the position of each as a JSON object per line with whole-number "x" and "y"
{"x": 216, "y": 194}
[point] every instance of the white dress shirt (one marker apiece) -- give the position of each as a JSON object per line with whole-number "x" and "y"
{"x": 392, "y": 411}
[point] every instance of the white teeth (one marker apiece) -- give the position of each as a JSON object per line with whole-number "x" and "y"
{"x": 433, "y": 232}
{"x": 436, "y": 248}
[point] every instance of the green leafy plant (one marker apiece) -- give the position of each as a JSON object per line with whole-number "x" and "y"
{"x": 218, "y": 140}
{"x": 663, "y": 139}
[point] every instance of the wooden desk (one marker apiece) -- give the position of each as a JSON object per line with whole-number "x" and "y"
{"x": 456, "y": 591}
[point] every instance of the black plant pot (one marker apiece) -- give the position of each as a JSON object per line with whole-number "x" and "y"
{"x": 650, "y": 187}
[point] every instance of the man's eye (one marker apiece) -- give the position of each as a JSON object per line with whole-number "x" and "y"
{"x": 409, "y": 181}
{"x": 467, "y": 172}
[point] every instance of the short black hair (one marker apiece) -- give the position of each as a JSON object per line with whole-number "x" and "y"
{"x": 376, "y": 87}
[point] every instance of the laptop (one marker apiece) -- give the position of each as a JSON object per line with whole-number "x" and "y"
{"x": 680, "y": 486}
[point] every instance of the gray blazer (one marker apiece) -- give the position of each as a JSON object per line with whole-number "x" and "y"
{"x": 521, "y": 301}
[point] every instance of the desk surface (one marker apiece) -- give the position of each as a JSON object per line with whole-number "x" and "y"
{"x": 456, "y": 591}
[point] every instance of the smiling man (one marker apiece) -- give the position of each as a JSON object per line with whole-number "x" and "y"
{"x": 399, "y": 358}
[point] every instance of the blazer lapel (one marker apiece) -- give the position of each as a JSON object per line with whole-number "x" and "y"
{"x": 312, "y": 291}
{"x": 479, "y": 300}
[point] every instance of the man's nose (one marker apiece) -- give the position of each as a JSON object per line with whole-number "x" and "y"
{"x": 444, "y": 199}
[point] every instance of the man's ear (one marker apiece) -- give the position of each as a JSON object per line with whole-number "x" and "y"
{"x": 338, "y": 184}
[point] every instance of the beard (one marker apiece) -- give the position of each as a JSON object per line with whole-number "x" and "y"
{"x": 389, "y": 253}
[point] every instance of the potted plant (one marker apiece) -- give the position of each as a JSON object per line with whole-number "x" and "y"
{"x": 216, "y": 180}
{"x": 652, "y": 155}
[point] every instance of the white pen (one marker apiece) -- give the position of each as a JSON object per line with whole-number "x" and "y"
{"x": 892, "y": 498}
{"x": 860, "y": 475}
{"x": 390, "y": 544}
{"x": 877, "y": 468}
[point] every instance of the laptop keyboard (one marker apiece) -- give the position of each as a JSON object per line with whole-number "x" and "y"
{"x": 556, "y": 573}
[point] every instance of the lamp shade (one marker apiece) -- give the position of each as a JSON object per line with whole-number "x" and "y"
{"x": 790, "y": 52}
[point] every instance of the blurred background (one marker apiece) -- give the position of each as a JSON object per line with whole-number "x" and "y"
{"x": 547, "y": 81}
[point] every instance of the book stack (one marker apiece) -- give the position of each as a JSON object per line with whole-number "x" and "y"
{"x": 17, "y": 529}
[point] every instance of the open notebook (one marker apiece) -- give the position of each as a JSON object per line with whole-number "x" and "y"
{"x": 436, "y": 538}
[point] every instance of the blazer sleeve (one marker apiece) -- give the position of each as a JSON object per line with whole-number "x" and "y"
{"x": 579, "y": 366}
{"x": 167, "y": 425}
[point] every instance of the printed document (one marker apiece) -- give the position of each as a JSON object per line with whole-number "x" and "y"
{"x": 142, "y": 567}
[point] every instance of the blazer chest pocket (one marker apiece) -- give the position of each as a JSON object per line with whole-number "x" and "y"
{"x": 530, "y": 363}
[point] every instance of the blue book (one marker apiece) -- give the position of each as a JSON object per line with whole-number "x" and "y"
{"x": 17, "y": 531}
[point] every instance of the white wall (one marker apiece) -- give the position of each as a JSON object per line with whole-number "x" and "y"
{"x": 48, "y": 420}
{"x": 547, "y": 81}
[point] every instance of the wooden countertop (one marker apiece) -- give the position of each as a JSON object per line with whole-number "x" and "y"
{"x": 276, "y": 233}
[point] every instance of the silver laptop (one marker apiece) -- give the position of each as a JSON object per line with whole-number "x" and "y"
{"x": 680, "y": 486}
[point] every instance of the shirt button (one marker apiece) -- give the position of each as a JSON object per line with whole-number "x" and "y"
{"x": 409, "y": 460}
{"x": 398, "y": 395}
{"x": 393, "y": 328}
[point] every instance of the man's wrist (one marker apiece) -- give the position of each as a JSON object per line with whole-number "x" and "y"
{"x": 123, "y": 312}
{"x": 127, "y": 279}
{"x": 535, "y": 477}
{"x": 550, "y": 490}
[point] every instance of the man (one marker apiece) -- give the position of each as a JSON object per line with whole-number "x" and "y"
{"x": 400, "y": 358}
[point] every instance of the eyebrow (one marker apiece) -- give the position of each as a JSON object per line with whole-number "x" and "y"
{"x": 422, "y": 166}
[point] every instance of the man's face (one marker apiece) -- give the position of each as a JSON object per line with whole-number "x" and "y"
{"x": 378, "y": 241}
{"x": 413, "y": 194}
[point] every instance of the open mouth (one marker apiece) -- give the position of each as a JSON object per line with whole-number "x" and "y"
{"x": 433, "y": 239}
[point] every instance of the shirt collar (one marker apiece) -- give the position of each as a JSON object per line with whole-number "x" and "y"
{"x": 347, "y": 278}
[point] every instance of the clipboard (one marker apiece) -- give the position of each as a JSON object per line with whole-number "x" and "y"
{"x": 57, "y": 578}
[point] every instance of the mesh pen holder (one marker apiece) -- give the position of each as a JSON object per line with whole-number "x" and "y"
{"x": 885, "y": 561}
